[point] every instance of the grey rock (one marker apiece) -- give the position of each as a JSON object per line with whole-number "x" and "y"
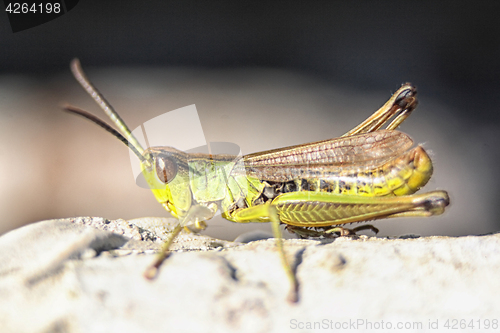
{"x": 253, "y": 236}
{"x": 85, "y": 275}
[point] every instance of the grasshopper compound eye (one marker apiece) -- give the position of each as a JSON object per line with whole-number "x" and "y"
{"x": 166, "y": 168}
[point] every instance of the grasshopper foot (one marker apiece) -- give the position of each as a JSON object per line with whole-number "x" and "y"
{"x": 293, "y": 295}
{"x": 324, "y": 232}
{"x": 341, "y": 231}
{"x": 152, "y": 271}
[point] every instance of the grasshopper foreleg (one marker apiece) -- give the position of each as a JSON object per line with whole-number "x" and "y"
{"x": 197, "y": 215}
{"x": 152, "y": 271}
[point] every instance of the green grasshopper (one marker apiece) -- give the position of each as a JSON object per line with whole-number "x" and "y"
{"x": 368, "y": 173}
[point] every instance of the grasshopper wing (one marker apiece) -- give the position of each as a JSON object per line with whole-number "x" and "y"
{"x": 362, "y": 150}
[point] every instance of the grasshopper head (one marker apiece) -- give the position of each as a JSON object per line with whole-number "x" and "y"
{"x": 168, "y": 177}
{"x": 164, "y": 168}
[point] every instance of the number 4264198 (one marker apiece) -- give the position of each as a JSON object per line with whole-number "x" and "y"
{"x": 27, "y": 8}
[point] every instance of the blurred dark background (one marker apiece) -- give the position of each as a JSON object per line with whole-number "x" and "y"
{"x": 342, "y": 59}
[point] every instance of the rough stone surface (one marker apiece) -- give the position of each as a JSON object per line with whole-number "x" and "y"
{"x": 85, "y": 275}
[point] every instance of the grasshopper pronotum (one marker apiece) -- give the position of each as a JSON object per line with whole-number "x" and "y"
{"x": 368, "y": 173}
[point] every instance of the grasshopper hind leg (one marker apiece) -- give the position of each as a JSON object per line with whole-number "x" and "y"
{"x": 341, "y": 231}
{"x": 328, "y": 233}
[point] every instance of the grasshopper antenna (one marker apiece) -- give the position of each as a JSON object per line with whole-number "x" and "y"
{"x": 80, "y": 76}
{"x": 91, "y": 117}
